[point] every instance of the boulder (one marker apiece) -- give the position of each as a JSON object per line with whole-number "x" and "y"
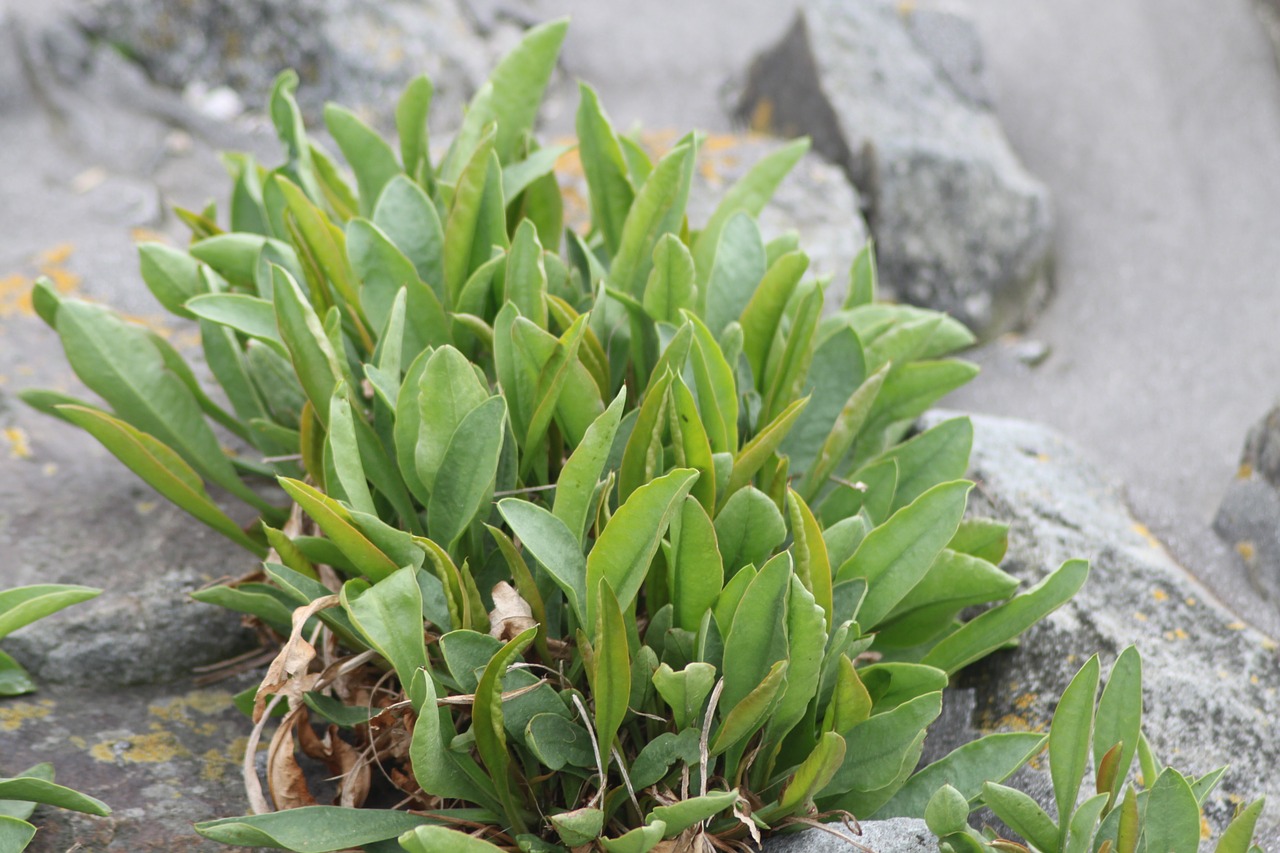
{"x": 894, "y": 94}
{"x": 1248, "y": 520}
{"x": 355, "y": 52}
{"x": 1210, "y": 679}
{"x": 900, "y": 835}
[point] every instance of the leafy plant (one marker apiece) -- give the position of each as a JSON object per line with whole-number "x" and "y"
{"x": 1159, "y": 810}
{"x": 19, "y": 795}
{"x": 606, "y": 546}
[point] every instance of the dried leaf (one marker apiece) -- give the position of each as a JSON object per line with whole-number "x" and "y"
{"x": 284, "y": 674}
{"x": 284, "y": 777}
{"x": 511, "y": 614}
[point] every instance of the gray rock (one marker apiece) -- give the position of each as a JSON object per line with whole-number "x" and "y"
{"x": 1248, "y": 519}
{"x": 1210, "y": 680}
{"x": 900, "y": 835}
{"x": 896, "y": 98}
{"x": 356, "y": 52}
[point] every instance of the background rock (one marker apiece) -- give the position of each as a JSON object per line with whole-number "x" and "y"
{"x": 1248, "y": 520}
{"x": 356, "y": 52}
{"x": 900, "y": 835}
{"x": 1210, "y": 680}
{"x": 960, "y": 225}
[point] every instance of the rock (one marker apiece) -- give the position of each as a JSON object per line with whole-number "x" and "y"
{"x": 1210, "y": 680}
{"x": 162, "y": 758}
{"x": 356, "y": 52}
{"x": 815, "y": 200}
{"x": 900, "y": 835}
{"x": 1248, "y": 519}
{"x": 895, "y": 97}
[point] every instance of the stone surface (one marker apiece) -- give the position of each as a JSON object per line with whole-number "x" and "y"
{"x": 1248, "y": 520}
{"x": 960, "y": 225}
{"x": 161, "y": 757}
{"x": 1210, "y": 680}
{"x": 355, "y": 52}
{"x": 900, "y": 835}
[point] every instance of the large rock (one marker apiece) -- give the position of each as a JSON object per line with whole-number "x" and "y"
{"x": 900, "y": 835}
{"x": 1248, "y": 519}
{"x": 1210, "y": 680}
{"x": 356, "y": 52}
{"x": 894, "y": 94}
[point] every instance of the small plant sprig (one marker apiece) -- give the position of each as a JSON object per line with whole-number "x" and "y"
{"x": 1157, "y": 811}
{"x": 19, "y": 795}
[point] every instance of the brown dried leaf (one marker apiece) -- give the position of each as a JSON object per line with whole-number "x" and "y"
{"x": 511, "y": 615}
{"x": 286, "y": 671}
{"x": 285, "y": 780}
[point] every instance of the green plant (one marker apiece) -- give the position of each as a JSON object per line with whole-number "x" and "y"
{"x": 597, "y": 547}
{"x": 19, "y": 795}
{"x": 1160, "y": 810}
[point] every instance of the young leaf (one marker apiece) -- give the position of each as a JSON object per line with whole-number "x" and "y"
{"x": 1023, "y": 815}
{"x": 758, "y": 636}
{"x": 408, "y": 217}
{"x": 1069, "y": 737}
{"x": 748, "y": 528}
{"x": 1239, "y": 833}
{"x": 37, "y": 790}
{"x": 313, "y": 356}
{"x": 389, "y": 615}
{"x": 584, "y": 468}
{"x": 736, "y": 274}
{"x": 449, "y": 392}
{"x": 695, "y": 571}
{"x": 658, "y": 209}
{"x": 610, "y": 668}
{"x": 1120, "y": 717}
{"x": 311, "y": 829}
{"x": 1172, "y": 819}
{"x": 411, "y": 125}
{"x": 605, "y": 169}
{"x": 670, "y": 288}
{"x": 23, "y": 605}
{"x": 487, "y": 716}
{"x": 371, "y": 158}
{"x": 464, "y": 484}
{"x": 553, "y": 545}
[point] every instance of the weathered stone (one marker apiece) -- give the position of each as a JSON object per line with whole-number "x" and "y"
{"x": 355, "y": 52}
{"x": 814, "y": 200}
{"x": 1248, "y": 519}
{"x": 1210, "y": 680}
{"x": 900, "y": 835}
{"x": 161, "y": 757}
{"x": 897, "y": 100}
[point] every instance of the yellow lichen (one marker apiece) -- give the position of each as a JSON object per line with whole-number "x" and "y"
{"x": 19, "y": 445}
{"x": 1245, "y": 549}
{"x": 1140, "y": 616}
{"x": 1236, "y": 626}
{"x": 762, "y": 116}
{"x": 13, "y": 716}
{"x": 1145, "y": 532}
{"x": 1159, "y": 595}
{"x": 1025, "y": 701}
{"x": 153, "y": 747}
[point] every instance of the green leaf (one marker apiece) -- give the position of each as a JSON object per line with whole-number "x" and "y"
{"x": 161, "y": 468}
{"x": 992, "y": 629}
{"x": 449, "y": 393}
{"x": 14, "y": 680}
{"x": 435, "y": 839}
{"x": 408, "y": 425}
{"x": 121, "y": 364}
{"x": 558, "y": 742}
{"x": 813, "y": 774}
{"x": 518, "y": 177}
{"x": 686, "y": 691}
{"x": 1084, "y": 825}
{"x": 912, "y": 388}
{"x": 670, "y": 287}
{"x": 491, "y": 737}
{"x": 813, "y": 564}
{"x": 172, "y": 276}
{"x": 477, "y": 220}
{"x": 389, "y": 615}
{"x": 716, "y": 388}
{"x": 1172, "y": 820}
{"x": 553, "y": 545}
{"x": 311, "y": 829}
{"x": 642, "y": 458}
{"x": 371, "y": 158}
{"x": 658, "y": 209}
{"x": 642, "y": 839}
{"x": 879, "y": 747}
{"x": 695, "y": 571}
{"x": 1023, "y": 815}
{"x": 863, "y": 278}
{"x": 438, "y": 769}
{"x": 748, "y": 528}
{"x": 1239, "y": 833}
{"x": 578, "y": 827}
{"x": 610, "y": 668}
{"x": 896, "y": 555}
{"x": 748, "y": 715}
{"x": 22, "y": 809}
{"x": 38, "y": 790}
{"x": 383, "y": 271}
{"x": 582, "y": 472}
{"x": 412, "y": 111}
{"x": 806, "y": 638}
{"x": 464, "y": 483}
{"x": 246, "y": 314}
{"x": 750, "y": 194}
{"x": 983, "y": 538}
{"x": 686, "y": 813}
{"x": 1120, "y": 716}
{"x": 15, "y": 834}
{"x": 344, "y": 454}
{"x": 338, "y": 524}
{"x": 938, "y": 454}
{"x": 954, "y": 582}
{"x": 23, "y": 605}
{"x": 313, "y": 356}
{"x": 1069, "y": 737}
{"x": 626, "y": 546}
{"x": 287, "y": 119}
{"x": 758, "y": 636}
{"x": 763, "y": 314}
{"x": 787, "y": 372}
{"x": 608, "y": 184}
{"x": 736, "y": 273}
{"x": 994, "y": 757}
{"x": 758, "y": 450}
{"x": 324, "y": 242}
{"x": 408, "y": 217}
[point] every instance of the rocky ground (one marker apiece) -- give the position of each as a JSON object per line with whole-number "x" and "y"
{"x": 1153, "y": 127}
